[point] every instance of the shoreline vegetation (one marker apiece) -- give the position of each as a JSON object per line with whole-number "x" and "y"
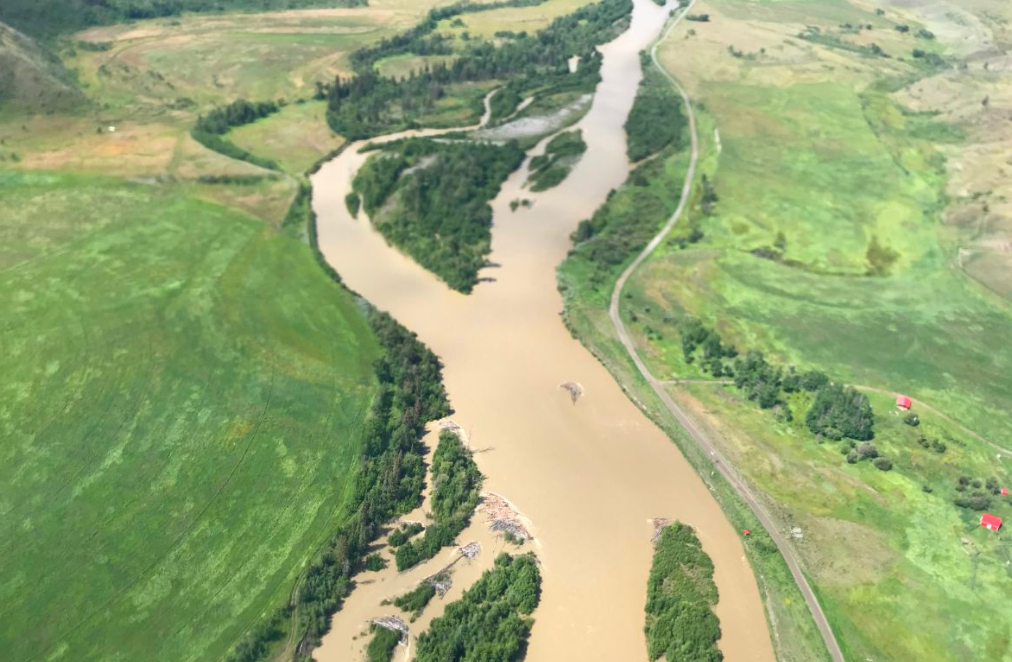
{"x": 456, "y": 489}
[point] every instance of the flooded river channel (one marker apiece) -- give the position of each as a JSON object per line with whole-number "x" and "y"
{"x": 589, "y": 476}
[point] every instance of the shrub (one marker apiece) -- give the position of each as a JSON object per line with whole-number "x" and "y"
{"x": 375, "y": 563}
{"x": 883, "y": 464}
{"x": 839, "y": 412}
{"x": 416, "y": 600}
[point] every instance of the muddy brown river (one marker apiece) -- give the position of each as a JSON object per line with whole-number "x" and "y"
{"x": 589, "y": 476}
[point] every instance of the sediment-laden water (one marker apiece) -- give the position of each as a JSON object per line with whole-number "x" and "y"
{"x": 589, "y": 475}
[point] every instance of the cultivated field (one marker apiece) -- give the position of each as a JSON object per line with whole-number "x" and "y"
{"x": 182, "y": 397}
{"x": 183, "y": 387}
{"x": 856, "y": 194}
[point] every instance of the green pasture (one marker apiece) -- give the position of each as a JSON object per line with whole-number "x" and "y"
{"x": 843, "y": 169}
{"x": 182, "y": 394}
{"x": 296, "y": 137}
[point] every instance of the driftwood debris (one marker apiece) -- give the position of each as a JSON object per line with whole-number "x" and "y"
{"x": 503, "y": 517}
{"x": 392, "y": 623}
{"x": 441, "y": 581}
{"x": 660, "y": 523}
{"x": 574, "y": 388}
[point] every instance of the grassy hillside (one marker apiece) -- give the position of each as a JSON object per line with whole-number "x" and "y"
{"x": 818, "y": 238}
{"x": 183, "y": 396}
{"x": 31, "y": 78}
{"x": 50, "y": 17}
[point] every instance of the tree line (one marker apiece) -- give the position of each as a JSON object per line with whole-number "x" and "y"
{"x": 836, "y": 411}
{"x": 438, "y": 195}
{"x": 421, "y": 40}
{"x": 210, "y": 129}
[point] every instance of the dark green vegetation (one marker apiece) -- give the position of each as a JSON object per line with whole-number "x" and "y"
{"x": 49, "y": 17}
{"x": 404, "y": 534}
{"x": 656, "y": 120}
{"x": 381, "y": 646}
{"x": 430, "y": 199}
{"x": 32, "y": 78}
{"x": 491, "y": 621}
{"x": 185, "y": 401}
{"x": 237, "y": 113}
{"x": 561, "y": 154}
{"x": 413, "y": 602}
{"x": 369, "y": 104}
{"x": 680, "y": 623}
{"x": 456, "y": 486}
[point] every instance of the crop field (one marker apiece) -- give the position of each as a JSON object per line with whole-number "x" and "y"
{"x": 858, "y": 229}
{"x": 182, "y": 398}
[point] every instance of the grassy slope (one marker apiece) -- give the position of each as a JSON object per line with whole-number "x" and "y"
{"x": 182, "y": 394}
{"x": 32, "y": 78}
{"x": 814, "y": 147}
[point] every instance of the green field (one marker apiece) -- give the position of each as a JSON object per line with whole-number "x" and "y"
{"x": 296, "y": 138}
{"x": 182, "y": 400}
{"x": 825, "y": 248}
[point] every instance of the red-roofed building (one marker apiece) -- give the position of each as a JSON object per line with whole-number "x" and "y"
{"x": 1004, "y": 491}
{"x": 989, "y": 521}
{"x": 904, "y": 402}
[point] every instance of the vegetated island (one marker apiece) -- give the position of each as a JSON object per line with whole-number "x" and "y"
{"x": 561, "y": 154}
{"x": 431, "y": 200}
{"x": 492, "y": 620}
{"x": 681, "y": 594}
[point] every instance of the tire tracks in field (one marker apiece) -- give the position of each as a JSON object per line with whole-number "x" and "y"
{"x": 720, "y": 464}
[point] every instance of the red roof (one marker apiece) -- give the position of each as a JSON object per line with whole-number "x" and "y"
{"x": 904, "y": 402}
{"x": 989, "y": 521}
{"x": 1004, "y": 491}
